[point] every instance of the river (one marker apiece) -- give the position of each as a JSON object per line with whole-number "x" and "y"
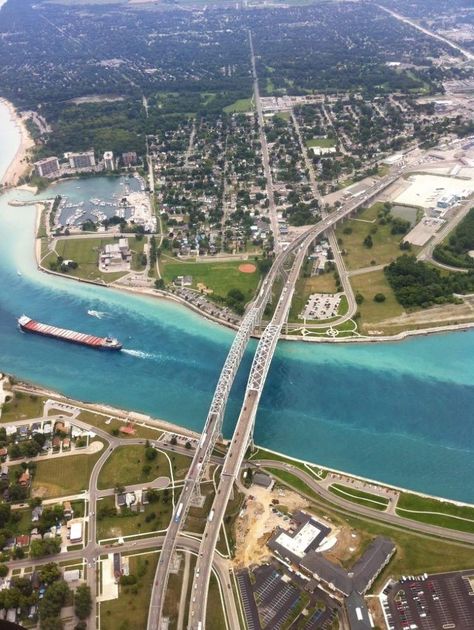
{"x": 402, "y": 413}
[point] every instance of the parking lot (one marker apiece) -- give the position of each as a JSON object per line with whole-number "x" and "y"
{"x": 270, "y": 597}
{"x": 436, "y": 602}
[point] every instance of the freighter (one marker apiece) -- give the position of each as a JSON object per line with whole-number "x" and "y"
{"x": 99, "y": 343}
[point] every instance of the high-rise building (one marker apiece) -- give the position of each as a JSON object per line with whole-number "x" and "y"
{"x": 85, "y": 159}
{"x": 48, "y": 167}
{"x": 129, "y": 159}
{"x": 109, "y": 161}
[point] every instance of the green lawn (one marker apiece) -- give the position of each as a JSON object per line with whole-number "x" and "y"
{"x": 130, "y": 610}
{"x": 358, "y": 496}
{"x": 23, "y": 406}
{"x": 241, "y": 105}
{"x": 63, "y": 475}
{"x": 85, "y": 252}
{"x": 156, "y": 517}
{"x": 125, "y": 467}
{"x": 98, "y": 420}
{"x": 385, "y": 245}
{"x": 446, "y": 511}
{"x": 368, "y": 285}
{"x": 324, "y": 143}
{"x": 220, "y": 277}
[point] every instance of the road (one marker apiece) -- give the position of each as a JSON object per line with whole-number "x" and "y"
{"x": 402, "y": 18}
{"x": 265, "y": 157}
{"x": 355, "y": 508}
{"x": 338, "y": 260}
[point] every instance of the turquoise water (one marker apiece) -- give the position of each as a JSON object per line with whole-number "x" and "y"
{"x": 401, "y": 413}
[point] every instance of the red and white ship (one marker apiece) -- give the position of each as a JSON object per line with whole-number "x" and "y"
{"x": 99, "y": 343}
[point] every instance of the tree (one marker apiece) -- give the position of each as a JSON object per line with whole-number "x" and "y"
{"x": 359, "y": 298}
{"x": 47, "y": 547}
{"x": 82, "y": 601}
{"x": 379, "y": 297}
{"x": 49, "y": 573}
{"x": 160, "y": 283}
{"x": 368, "y": 242}
{"x": 3, "y": 570}
{"x": 150, "y": 453}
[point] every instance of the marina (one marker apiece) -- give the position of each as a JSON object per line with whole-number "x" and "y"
{"x": 117, "y": 202}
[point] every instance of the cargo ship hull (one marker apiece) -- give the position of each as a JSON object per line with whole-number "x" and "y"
{"x": 82, "y": 339}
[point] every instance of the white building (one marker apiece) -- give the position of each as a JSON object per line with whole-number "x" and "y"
{"x": 75, "y": 532}
{"x": 109, "y": 161}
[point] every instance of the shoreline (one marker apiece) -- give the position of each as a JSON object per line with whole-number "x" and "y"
{"x": 165, "y": 295}
{"x": 141, "y": 419}
{"x": 17, "y": 168}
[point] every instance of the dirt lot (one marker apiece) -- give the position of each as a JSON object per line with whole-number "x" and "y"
{"x": 258, "y": 522}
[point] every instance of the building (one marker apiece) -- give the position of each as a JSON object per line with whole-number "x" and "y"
{"x": 48, "y": 167}
{"x": 357, "y": 613}
{"x": 75, "y": 532}
{"x": 129, "y": 158}
{"x": 116, "y": 256}
{"x": 109, "y": 163}
{"x": 362, "y": 575}
{"x": 83, "y": 160}
{"x": 295, "y": 544}
{"x": 68, "y": 511}
{"x": 183, "y": 281}
{"x": 72, "y": 575}
{"x": 24, "y": 479}
{"x": 262, "y": 479}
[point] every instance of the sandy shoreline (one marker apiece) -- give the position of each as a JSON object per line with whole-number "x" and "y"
{"x": 18, "y": 165}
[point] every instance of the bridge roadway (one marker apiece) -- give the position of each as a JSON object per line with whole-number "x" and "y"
{"x": 213, "y": 426}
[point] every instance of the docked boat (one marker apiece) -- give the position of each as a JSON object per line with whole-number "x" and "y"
{"x": 99, "y": 343}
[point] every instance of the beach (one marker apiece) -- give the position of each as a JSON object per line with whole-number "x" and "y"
{"x": 18, "y": 165}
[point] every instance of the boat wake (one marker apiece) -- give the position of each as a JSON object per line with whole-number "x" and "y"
{"x": 98, "y": 314}
{"x": 139, "y": 354}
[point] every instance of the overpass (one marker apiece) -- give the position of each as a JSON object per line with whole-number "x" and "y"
{"x": 244, "y": 428}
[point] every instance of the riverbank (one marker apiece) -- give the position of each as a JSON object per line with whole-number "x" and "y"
{"x": 260, "y": 452}
{"x": 19, "y": 164}
{"x": 165, "y": 295}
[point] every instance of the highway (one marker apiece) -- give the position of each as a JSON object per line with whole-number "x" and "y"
{"x": 265, "y": 157}
{"x": 213, "y": 425}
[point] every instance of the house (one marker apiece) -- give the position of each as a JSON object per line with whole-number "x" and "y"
{"x": 59, "y": 427}
{"x": 22, "y": 541}
{"x": 24, "y": 479}
{"x": 56, "y": 443}
{"x": 72, "y": 575}
{"x": 75, "y": 532}
{"x": 36, "y": 513}
{"x": 22, "y": 433}
{"x": 66, "y": 444}
{"x": 68, "y": 511}
{"x": 4, "y": 472}
{"x": 121, "y": 500}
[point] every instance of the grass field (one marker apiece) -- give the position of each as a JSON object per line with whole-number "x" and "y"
{"x": 411, "y": 502}
{"x": 324, "y": 143}
{"x": 214, "y": 614}
{"x": 239, "y": 106}
{"x": 358, "y": 496}
{"x": 130, "y": 610}
{"x": 125, "y": 467}
{"x": 85, "y": 252}
{"x": 63, "y": 475}
{"x": 98, "y": 420}
{"x": 368, "y": 285}
{"x": 156, "y": 517}
{"x": 218, "y": 276}
{"x": 385, "y": 245}
{"x": 23, "y": 406}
